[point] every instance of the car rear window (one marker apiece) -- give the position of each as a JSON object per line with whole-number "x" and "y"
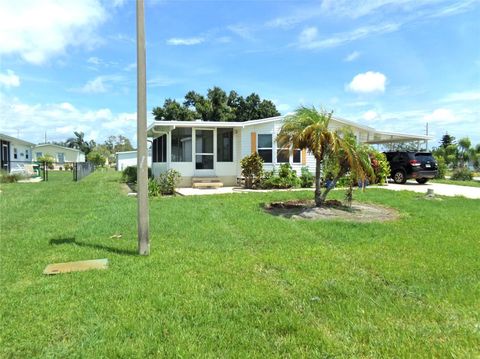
{"x": 422, "y": 157}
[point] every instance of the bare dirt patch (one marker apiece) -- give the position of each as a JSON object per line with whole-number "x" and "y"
{"x": 333, "y": 210}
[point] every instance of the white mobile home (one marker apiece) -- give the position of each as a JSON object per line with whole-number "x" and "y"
{"x": 60, "y": 154}
{"x": 14, "y": 153}
{"x": 129, "y": 158}
{"x": 214, "y": 149}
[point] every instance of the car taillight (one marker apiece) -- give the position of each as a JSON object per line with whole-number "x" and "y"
{"x": 415, "y": 163}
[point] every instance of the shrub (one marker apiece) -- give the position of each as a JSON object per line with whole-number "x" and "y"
{"x": 68, "y": 166}
{"x": 96, "y": 158}
{"x": 153, "y": 188}
{"x": 48, "y": 160}
{"x": 380, "y": 165}
{"x": 441, "y": 167}
{"x": 6, "y": 177}
{"x": 129, "y": 174}
{"x": 287, "y": 178}
{"x": 252, "y": 170}
{"x": 307, "y": 178}
{"x": 168, "y": 181}
{"x": 462, "y": 174}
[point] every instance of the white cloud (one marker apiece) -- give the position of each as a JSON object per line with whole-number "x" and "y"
{"x": 94, "y": 86}
{"x": 308, "y": 38}
{"x": 9, "y": 79}
{"x": 61, "y": 119}
{"x": 177, "y": 41}
{"x": 94, "y": 61}
{"x": 441, "y": 115}
{"x": 462, "y": 96}
{"x": 351, "y": 56}
{"x": 370, "y": 115}
{"x": 368, "y": 82}
{"x": 130, "y": 67}
{"x": 244, "y": 31}
{"x": 99, "y": 84}
{"x": 39, "y": 30}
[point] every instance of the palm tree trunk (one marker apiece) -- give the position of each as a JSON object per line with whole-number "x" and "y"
{"x": 318, "y": 188}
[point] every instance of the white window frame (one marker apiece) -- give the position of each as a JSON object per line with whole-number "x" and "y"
{"x": 266, "y": 148}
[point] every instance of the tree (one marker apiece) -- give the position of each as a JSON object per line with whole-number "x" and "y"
{"x": 79, "y": 143}
{"x": 308, "y": 129}
{"x": 96, "y": 158}
{"x": 447, "y": 140}
{"x": 216, "y": 106}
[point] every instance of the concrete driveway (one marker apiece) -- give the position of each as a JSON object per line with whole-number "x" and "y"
{"x": 438, "y": 188}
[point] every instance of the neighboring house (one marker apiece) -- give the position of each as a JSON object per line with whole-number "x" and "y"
{"x": 60, "y": 154}
{"x": 14, "y": 153}
{"x": 214, "y": 149}
{"x": 129, "y": 158}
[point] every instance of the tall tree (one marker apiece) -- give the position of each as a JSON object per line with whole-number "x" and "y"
{"x": 447, "y": 140}
{"x": 216, "y": 106}
{"x": 79, "y": 142}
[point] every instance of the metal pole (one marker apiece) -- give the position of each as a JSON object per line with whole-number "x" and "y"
{"x": 142, "y": 163}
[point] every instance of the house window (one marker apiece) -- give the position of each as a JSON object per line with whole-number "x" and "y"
{"x": 224, "y": 144}
{"x": 283, "y": 152}
{"x": 182, "y": 145}
{"x": 61, "y": 157}
{"x": 26, "y": 154}
{"x": 297, "y": 155}
{"x": 159, "y": 149}
{"x": 39, "y": 154}
{"x": 265, "y": 148}
{"x": 15, "y": 154}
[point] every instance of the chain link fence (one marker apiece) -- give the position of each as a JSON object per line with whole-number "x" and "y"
{"x": 29, "y": 169}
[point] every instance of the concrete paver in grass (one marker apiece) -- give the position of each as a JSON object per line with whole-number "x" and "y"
{"x": 80, "y": 266}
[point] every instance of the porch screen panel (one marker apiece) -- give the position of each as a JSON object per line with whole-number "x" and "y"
{"x": 225, "y": 145}
{"x": 182, "y": 145}
{"x": 159, "y": 149}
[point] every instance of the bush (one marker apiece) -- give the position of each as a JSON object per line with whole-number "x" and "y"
{"x": 462, "y": 174}
{"x": 153, "y": 188}
{"x": 252, "y": 170}
{"x": 96, "y": 158}
{"x": 287, "y": 178}
{"x": 48, "y": 160}
{"x": 68, "y": 166}
{"x": 307, "y": 178}
{"x": 129, "y": 174}
{"x": 6, "y": 177}
{"x": 441, "y": 166}
{"x": 380, "y": 165}
{"x": 167, "y": 182}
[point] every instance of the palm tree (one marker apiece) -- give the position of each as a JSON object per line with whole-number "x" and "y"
{"x": 308, "y": 129}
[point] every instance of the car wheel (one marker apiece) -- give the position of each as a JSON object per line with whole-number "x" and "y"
{"x": 422, "y": 180}
{"x": 399, "y": 177}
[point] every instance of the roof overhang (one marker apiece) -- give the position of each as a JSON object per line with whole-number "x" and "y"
{"x": 381, "y": 137}
{"x": 11, "y": 139}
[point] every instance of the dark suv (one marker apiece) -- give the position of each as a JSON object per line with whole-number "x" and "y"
{"x": 405, "y": 165}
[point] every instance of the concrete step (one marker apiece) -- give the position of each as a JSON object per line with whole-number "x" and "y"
{"x": 206, "y": 182}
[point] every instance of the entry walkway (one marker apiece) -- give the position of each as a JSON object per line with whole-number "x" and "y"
{"x": 438, "y": 188}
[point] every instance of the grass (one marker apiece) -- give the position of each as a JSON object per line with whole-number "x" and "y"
{"x": 471, "y": 183}
{"x": 226, "y": 279}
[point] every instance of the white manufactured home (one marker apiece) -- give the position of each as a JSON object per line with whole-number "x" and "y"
{"x": 14, "y": 153}
{"x": 125, "y": 159}
{"x": 209, "y": 149}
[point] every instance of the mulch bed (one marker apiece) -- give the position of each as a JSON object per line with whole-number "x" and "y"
{"x": 333, "y": 209}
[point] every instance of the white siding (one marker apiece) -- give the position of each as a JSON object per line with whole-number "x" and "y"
{"x": 125, "y": 159}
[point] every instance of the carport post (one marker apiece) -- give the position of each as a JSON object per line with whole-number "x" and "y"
{"x": 142, "y": 162}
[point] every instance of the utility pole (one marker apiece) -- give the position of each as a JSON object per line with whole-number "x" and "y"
{"x": 142, "y": 162}
{"x": 426, "y": 133}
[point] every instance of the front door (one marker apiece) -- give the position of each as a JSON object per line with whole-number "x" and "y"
{"x": 5, "y": 156}
{"x": 204, "y": 154}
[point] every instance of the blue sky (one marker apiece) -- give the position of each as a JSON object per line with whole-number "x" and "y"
{"x": 393, "y": 65}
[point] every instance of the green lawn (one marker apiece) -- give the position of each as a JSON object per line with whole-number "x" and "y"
{"x": 472, "y": 183}
{"x": 226, "y": 279}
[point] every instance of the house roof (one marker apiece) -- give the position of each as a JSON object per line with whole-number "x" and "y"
{"x": 58, "y": 146}
{"x": 10, "y": 138}
{"x": 378, "y": 137}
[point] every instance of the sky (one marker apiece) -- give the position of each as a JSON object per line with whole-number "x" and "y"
{"x": 391, "y": 64}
